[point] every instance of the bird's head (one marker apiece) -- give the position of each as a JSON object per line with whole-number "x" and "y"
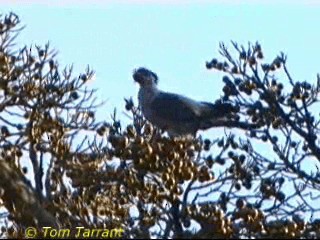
{"x": 145, "y": 77}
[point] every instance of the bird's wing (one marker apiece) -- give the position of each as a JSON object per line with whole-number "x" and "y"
{"x": 175, "y": 108}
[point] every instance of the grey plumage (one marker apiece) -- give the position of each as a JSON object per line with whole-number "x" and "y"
{"x": 177, "y": 114}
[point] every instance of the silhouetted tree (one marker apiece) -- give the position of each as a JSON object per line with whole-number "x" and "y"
{"x": 62, "y": 168}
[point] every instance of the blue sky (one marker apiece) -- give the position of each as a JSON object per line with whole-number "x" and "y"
{"x": 174, "y": 39}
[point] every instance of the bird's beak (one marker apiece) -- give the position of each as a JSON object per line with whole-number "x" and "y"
{"x": 137, "y": 77}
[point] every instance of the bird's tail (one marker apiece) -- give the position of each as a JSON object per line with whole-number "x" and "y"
{"x": 222, "y": 115}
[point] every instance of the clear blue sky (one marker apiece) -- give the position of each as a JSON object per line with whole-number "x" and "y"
{"x": 172, "y": 39}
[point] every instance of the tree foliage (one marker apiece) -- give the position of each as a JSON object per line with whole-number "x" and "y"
{"x": 63, "y": 168}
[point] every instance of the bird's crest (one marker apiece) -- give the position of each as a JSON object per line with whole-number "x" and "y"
{"x": 141, "y": 75}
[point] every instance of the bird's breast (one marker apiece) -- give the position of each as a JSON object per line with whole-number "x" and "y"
{"x": 145, "y": 98}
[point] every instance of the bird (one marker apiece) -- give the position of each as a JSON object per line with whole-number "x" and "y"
{"x": 177, "y": 114}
